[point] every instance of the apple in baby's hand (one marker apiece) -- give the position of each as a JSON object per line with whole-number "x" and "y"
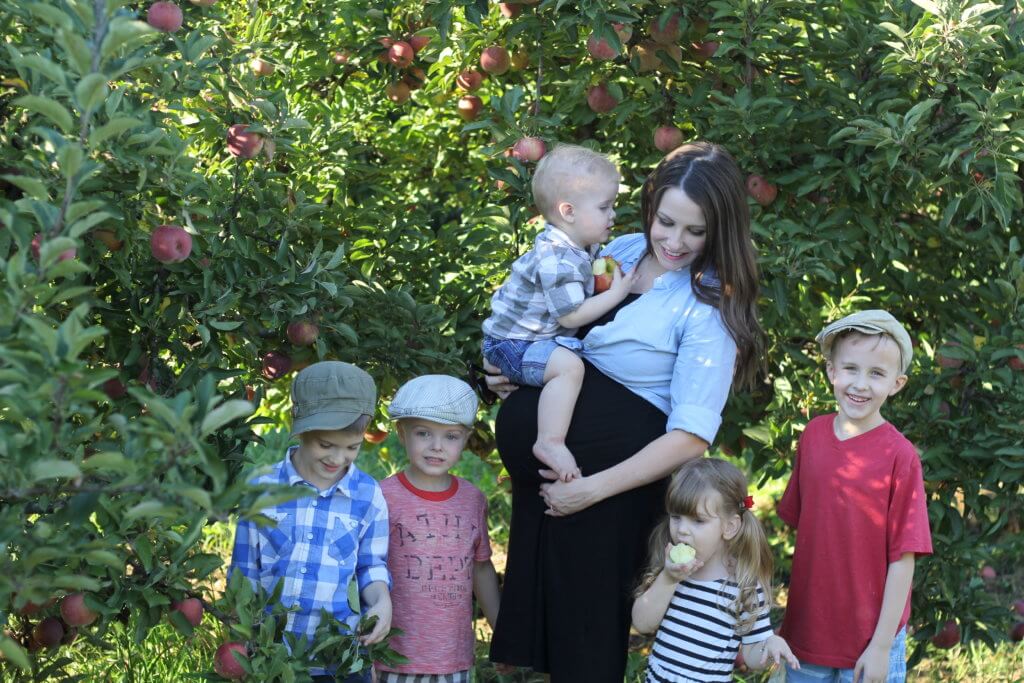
{"x": 682, "y": 553}
{"x": 604, "y": 272}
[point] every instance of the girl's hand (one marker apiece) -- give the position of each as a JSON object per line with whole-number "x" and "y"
{"x": 872, "y": 666}
{"x": 497, "y": 382}
{"x": 566, "y": 497}
{"x": 381, "y": 610}
{"x": 680, "y": 572}
{"x": 776, "y": 649}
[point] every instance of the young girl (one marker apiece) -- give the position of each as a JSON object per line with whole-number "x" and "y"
{"x": 708, "y": 608}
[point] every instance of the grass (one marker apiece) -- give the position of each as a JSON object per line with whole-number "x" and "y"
{"x": 165, "y": 656}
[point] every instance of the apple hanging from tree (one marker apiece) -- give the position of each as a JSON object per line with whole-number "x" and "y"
{"x": 375, "y": 435}
{"x": 261, "y": 67}
{"x": 225, "y": 661}
{"x": 510, "y": 10}
{"x": 415, "y": 78}
{"x": 303, "y": 332}
{"x": 948, "y": 636}
{"x": 108, "y": 238}
{"x": 600, "y": 48}
{"x": 164, "y": 16}
{"x": 191, "y": 609}
{"x": 37, "y": 242}
{"x": 242, "y": 142}
{"x": 469, "y": 80}
{"x": 114, "y": 388}
{"x": 418, "y": 42}
{"x": 495, "y": 60}
{"x": 1017, "y": 632}
{"x": 666, "y": 32}
{"x": 75, "y": 612}
{"x": 703, "y": 51}
{"x": 469, "y": 107}
{"x": 170, "y": 244}
{"x": 48, "y": 632}
{"x": 947, "y": 361}
{"x": 401, "y": 54}
{"x": 520, "y": 59}
{"x": 667, "y": 138}
{"x": 761, "y": 190}
{"x": 276, "y": 364}
{"x": 1018, "y": 607}
{"x": 1015, "y": 362}
{"x": 529, "y": 149}
{"x": 600, "y": 100}
{"x": 988, "y": 574}
{"x": 398, "y": 92}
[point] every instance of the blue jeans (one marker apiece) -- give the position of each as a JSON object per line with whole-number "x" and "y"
{"x": 812, "y": 673}
{"x": 354, "y": 678}
{"x": 523, "y": 362}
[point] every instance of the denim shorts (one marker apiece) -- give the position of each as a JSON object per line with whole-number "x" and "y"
{"x": 523, "y": 362}
{"x": 812, "y": 673}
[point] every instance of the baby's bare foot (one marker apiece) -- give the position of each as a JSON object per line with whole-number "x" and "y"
{"x": 557, "y": 457}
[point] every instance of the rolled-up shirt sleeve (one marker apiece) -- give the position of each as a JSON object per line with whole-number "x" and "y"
{"x": 372, "y": 560}
{"x": 702, "y": 375}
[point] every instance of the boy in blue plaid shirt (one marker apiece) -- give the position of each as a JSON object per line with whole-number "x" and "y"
{"x": 550, "y": 293}
{"x": 337, "y": 534}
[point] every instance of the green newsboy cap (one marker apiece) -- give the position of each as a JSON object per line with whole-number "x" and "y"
{"x": 331, "y": 395}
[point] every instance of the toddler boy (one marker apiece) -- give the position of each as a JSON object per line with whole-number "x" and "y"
{"x": 439, "y": 554}
{"x": 550, "y": 293}
{"x": 339, "y": 533}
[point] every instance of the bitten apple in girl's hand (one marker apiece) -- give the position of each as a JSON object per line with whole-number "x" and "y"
{"x": 682, "y": 553}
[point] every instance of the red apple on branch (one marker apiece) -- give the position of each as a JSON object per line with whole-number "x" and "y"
{"x": 276, "y": 364}
{"x": 600, "y": 100}
{"x": 529, "y": 149}
{"x": 75, "y": 612}
{"x": 947, "y": 361}
{"x": 114, "y": 388}
{"x": 170, "y": 244}
{"x": 418, "y": 42}
{"x": 1015, "y": 361}
{"x": 164, "y": 16}
{"x": 510, "y": 10}
{"x": 225, "y": 661}
{"x": 415, "y": 78}
{"x": 398, "y": 92}
{"x": 302, "y": 332}
{"x": 495, "y": 60}
{"x": 761, "y": 190}
{"x": 666, "y": 32}
{"x": 469, "y": 107}
{"x": 948, "y": 636}
{"x": 48, "y": 632}
{"x": 37, "y": 243}
{"x": 191, "y": 609}
{"x": 401, "y": 54}
{"x": 242, "y": 142}
{"x": 375, "y": 435}
{"x": 469, "y": 80}
{"x": 261, "y": 67}
{"x": 667, "y": 138}
{"x": 1017, "y": 632}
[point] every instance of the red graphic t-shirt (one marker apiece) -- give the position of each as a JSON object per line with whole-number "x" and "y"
{"x": 436, "y": 537}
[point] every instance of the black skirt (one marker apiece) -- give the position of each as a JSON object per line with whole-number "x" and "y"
{"x": 567, "y": 597}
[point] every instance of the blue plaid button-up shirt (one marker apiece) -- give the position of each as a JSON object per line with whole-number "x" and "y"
{"x": 320, "y": 542}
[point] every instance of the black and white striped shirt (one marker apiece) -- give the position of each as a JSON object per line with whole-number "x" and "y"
{"x": 697, "y": 639}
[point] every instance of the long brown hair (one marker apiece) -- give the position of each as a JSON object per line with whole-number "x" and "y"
{"x": 704, "y": 484}
{"x": 709, "y": 176}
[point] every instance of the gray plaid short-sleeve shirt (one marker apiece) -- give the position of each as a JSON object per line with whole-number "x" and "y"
{"x": 547, "y": 282}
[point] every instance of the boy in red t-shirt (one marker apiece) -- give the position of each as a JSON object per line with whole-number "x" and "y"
{"x": 439, "y": 554}
{"x": 856, "y": 499}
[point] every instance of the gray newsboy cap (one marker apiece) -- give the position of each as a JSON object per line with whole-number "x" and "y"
{"x": 869, "y": 322}
{"x": 437, "y": 398}
{"x": 331, "y": 395}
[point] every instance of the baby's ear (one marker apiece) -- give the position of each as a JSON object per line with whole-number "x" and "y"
{"x": 567, "y": 211}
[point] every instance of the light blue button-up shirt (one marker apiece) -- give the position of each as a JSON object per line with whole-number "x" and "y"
{"x": 667, "y": 347}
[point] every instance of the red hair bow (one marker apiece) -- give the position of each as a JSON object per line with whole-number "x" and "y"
{"x": 748, "y": 502}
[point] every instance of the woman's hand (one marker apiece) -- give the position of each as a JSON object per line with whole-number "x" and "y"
{"x": 497, "y": 382}
{"x": 566, "y": 497}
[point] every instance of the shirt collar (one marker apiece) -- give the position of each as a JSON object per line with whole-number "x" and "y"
{"x": 292, "y": 476}
{"x": 556, "y": 234}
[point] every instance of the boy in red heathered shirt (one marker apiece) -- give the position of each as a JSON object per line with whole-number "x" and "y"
{"x": 439, "y": 554}
{"x": 856, "y": 498}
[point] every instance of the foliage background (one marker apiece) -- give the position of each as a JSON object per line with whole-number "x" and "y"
{"x": 892, "y": 130}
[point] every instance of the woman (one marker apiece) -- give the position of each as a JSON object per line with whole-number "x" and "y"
{"x": 576, "y": 548}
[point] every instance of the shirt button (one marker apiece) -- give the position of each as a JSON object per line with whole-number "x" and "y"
{"x": 314, "y": 503}
{"x": 309, "y": 536}
{"x": 303, "y": 570}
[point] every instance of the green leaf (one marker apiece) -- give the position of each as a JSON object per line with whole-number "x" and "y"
{"x": 105, "y": 557}
{"x": 14, "y": 653}
{"x": 151, "y": 509}
{"x": 106, "y": 460}
{"x": 54, "y": 469}
{"x": 223, "y": 414}
{"x": 91, "y": 91}
{"x": 112, "y": 128}
{"x": 32, "y": 186}
{"x": 51, "y": 109}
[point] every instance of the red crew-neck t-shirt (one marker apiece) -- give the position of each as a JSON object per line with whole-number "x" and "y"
{"x": 857, "y": 505}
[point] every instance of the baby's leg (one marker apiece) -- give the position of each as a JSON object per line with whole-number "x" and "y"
{"x": 563, "y": 377}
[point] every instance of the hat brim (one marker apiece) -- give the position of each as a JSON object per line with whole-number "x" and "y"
{"x": 325, "y": 421}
